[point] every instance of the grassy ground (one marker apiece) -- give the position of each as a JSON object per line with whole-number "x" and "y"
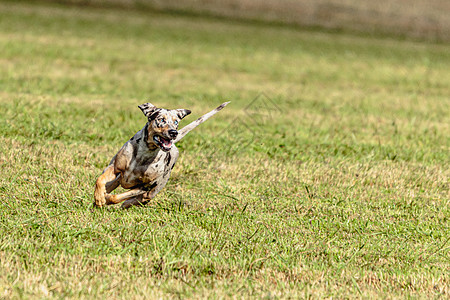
{"x": 327, "y": 175}
{"x": 426, "y": 19}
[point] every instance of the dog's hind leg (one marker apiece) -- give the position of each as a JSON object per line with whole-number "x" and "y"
{"x": 144, "y": 198}
{"x": 139, "y": 200}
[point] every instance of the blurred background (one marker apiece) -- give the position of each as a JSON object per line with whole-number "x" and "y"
{"x": 428, "y": 19}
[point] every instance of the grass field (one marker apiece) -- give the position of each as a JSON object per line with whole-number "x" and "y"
{"x": 425, "y": 19}
{"x": 327, "y": 176}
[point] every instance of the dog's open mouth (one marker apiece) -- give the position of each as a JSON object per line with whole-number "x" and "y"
{"x": 163, "y": 143}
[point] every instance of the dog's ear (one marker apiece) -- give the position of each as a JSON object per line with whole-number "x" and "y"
{"x": 147, "y": 109}
{"x": 181, "y": 113}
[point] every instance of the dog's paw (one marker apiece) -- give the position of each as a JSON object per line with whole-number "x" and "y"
{"x": 99, "y": 204}
{"x": 100, "y": 199}
{"x": 111, "y": 199}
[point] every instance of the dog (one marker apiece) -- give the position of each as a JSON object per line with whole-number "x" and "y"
{"x": 144, "y": 163}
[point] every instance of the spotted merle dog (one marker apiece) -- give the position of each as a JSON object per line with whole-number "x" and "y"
{"x": 144, "y": 163}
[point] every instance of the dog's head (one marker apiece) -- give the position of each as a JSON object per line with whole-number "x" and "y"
{"x": 162, "y": 124}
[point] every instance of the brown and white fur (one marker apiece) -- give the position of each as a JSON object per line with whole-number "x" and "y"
{"x": 144, "y": 163}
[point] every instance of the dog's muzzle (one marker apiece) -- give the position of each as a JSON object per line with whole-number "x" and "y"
{"x": 163, "y": 143}
{"x": 173, "y": 133}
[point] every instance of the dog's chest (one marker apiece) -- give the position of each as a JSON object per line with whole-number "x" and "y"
{"x": 147, "y": 169}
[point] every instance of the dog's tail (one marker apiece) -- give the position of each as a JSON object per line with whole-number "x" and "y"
{"x": 185, "y": 130}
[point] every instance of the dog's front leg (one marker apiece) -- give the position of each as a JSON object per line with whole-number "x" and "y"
{"x": 100, "y": 186}
{"x": 114, "y": 199}
{"x": 112, "y": 185}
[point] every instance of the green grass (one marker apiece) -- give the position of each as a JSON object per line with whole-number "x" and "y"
{"x": 333, "y": 183}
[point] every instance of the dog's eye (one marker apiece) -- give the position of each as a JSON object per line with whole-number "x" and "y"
{"x": 162, "y": 121}
{"x": 175, "y": 122}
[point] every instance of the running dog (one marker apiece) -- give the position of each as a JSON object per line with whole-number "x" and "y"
{"x": 144, "y": 162}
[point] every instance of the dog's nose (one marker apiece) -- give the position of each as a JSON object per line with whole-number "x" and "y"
{"x": 173, "y": 133}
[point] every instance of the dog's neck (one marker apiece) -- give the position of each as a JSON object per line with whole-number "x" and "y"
{"x": 149, "y": 145}
{"x": 147, "y": 151}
